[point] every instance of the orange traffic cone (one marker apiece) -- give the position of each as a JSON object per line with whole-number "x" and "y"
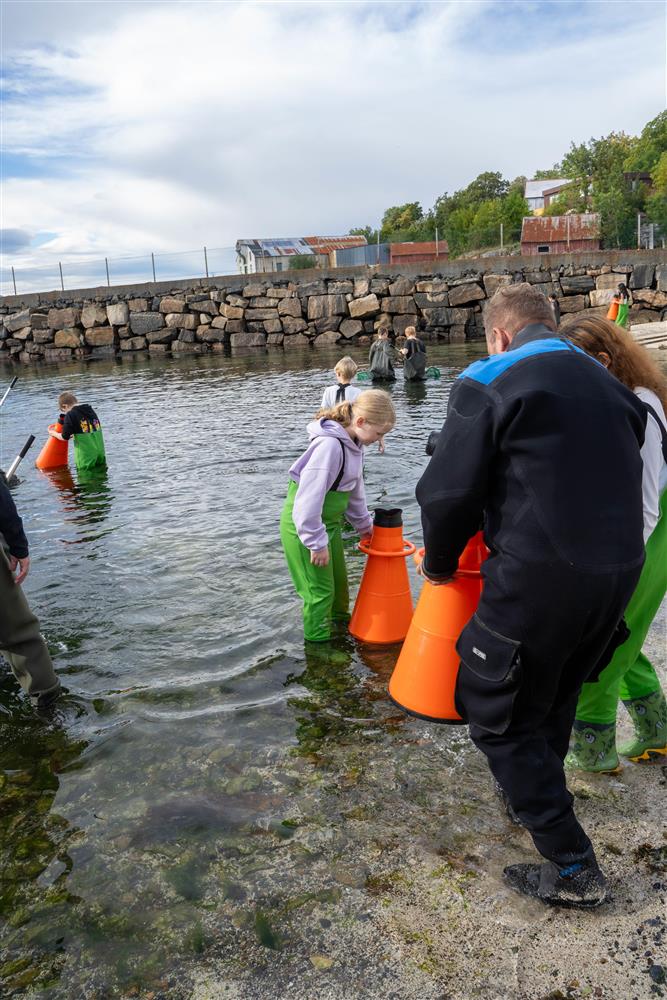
{"x": 383, "y": 609}
{"x": 54, "y": 453}
{"x": 424, "y": 678}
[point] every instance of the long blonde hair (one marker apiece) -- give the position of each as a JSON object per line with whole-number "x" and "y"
{"x": 374, "y": 405}
{"x": 628, "y": 361}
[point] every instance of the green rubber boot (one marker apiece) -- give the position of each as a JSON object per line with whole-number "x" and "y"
{"x": 649, "y": 715}
{"x": 593, "y": 747}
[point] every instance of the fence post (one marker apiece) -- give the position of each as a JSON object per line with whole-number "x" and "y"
{"x": 639, "y": 230}
{"x": 206, "y": 261}
{"x": 153, "y": 263}
{"x": 62, "y": 283}
{"x": 14, "y": 279}
{"x": 106, "y": 264}
{"x": 436, "y": 242}
{"x": 567, "y": 217}
{"x": 502, "y": 244}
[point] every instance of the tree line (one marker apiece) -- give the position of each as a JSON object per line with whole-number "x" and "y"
{"x": 617, "y": 175}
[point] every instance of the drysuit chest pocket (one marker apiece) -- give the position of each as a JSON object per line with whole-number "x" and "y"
{"x": 489, "y": 676}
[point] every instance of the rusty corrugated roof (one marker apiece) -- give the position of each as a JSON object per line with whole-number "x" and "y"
{"x": 556, "y": 228}
{"x": 325, "y": 244}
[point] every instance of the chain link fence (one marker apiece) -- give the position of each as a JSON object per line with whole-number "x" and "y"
{"x": 109, "y": 271}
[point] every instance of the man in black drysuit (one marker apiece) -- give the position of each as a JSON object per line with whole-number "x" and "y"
{"x": 21, "y": 642}
{"x": 542, "y": 445}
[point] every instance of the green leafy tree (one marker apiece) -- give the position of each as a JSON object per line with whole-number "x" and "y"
{"x": 485, "y": 187}
{"x": 650, "y": 146}
{"x": 617, "y": 218}
{"x": 400, "y": 219}
{"x": 302, "y": 261}
{"x": 656, "y": 205}
{"x": 367, "y": 231}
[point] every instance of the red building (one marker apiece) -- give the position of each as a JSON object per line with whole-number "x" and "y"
{"x": 560, "y": 233}
{"x": 412, "y": 253}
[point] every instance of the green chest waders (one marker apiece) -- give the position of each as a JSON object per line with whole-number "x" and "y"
{"x": 323, "y": 589}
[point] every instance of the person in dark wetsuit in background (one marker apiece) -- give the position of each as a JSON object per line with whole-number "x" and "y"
{"x": 79, "y": 420}
{"x": 542, "y": 446}
{"x": 414, "y": 367}
{"x": 381, "y": 358}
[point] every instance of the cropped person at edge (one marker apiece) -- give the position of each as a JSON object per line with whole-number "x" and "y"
{"x": 542, "y": 446}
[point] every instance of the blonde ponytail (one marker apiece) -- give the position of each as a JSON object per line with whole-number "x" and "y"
{"x": 374, "y": 405}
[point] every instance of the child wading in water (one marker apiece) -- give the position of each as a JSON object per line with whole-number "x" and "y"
{"x": 80, "y": 421}
{"x": 343, "y": 391}
{"x": 326, "y": 484}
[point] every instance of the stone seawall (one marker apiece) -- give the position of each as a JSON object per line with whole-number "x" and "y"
{"x": 313, "y": 308}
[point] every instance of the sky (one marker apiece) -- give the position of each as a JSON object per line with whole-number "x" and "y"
{"x": 168, "y": 126}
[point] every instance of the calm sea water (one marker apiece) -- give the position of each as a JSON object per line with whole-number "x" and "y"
{"x": 195, "y": 721}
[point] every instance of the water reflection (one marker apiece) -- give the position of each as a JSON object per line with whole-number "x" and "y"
{"x": 86, "y": 500}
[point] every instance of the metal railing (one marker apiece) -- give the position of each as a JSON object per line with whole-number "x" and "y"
{"x": 109, "y": 271}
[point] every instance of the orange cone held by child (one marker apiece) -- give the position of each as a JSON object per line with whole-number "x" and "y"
{"x": 383, "y": 609}
{"x": 54, "y": 453}
{"x": 424, "y": 678}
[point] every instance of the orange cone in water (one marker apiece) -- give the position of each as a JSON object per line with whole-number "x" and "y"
{"x": 424, "y": 678}
{"x": 383, "y": 609}
{"x": 54, "y": 452}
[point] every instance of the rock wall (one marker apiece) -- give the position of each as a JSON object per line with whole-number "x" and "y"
{"x": 318, "y": 308}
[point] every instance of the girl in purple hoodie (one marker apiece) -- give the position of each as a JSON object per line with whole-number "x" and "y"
{"x": 326, "y": 483}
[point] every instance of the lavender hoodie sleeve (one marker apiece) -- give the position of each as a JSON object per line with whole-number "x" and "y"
{"x": 315, "y": 479}
{"x": 357, "y": 512}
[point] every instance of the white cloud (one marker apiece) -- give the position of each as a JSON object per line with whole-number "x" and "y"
{"x": 175, "y": 125}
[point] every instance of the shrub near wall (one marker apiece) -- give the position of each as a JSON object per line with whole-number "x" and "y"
{"x": 285, "y": 311}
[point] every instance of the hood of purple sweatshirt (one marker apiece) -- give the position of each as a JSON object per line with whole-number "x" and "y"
{"x": 315, "y": 472}
{"x": 324, "y": 452}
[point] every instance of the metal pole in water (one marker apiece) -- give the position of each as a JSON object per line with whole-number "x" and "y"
{"x": 206, "y": 261}
{"x": 106, "y": 263}
{"x": 62, "y": 283}
{"x": 9, "y": 388}
{"x": 19, "y": 458}
{"x": 153, "y": 263}
{"x": 14, "y": 279}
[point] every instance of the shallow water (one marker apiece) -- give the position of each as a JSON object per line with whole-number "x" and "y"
{"x": 197, "y": 729}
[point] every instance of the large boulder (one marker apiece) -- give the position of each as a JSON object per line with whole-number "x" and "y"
{"x": 311, "y": 288}
{"x": 39, "y": 321}
{"x": 142, "y": 323}
{"x": 492, "y": 282}
{"x": 67, "y": 338}
{"x": 23, "y": 334}
{"x": 57, "y": 354}
{"x": 118, "y": 314}
{"x": 642, "y": 276}
{"x": 351, "y": 327}
{"x": 399, "y": 304}
{"x": 289, "y": 307}
{"x": 606, "y": 282}
{"x": 138, "y": 305}
{"x": 577, "y": 284}
{"x": 326, "y": 339}
{"x": 402, "y": 286}
{"x": 368, "y": 305}
{"x": 93, "y": 314}
{"x": 181, "y": 321}
{"x": 17, "y": 321}
{"x": 321, "y": 306}
{"x": 133, "y": 344}
{"x": 163, "y": 336}
{"x": 426, "y": 300}
{"x": 340, "y": 287}
{"x": 231, "y": 312}
{"x": 462, "y": 294}
{"x": 273, "y": 326}
{"x": 172, "y": 305}
{"x": 293, "y": 325}
{"x": 278, "y": 293}
{"x": 257, "y": 315}
{"x": 248, "y": 339}
{"x": 661, "y": 277}
{"x": 572, "y": 303}
{"x": 253, "y": 291}
{"x": 219, "y": 323}
{"x": 295, "y": 340}
{"x": 651, "y": 297}
{"x": 444, "y": 316}
{"x": 60, "y": 319}
{"x": 101, "y": 336}
{"x": 42, "y": 336}
{"x": 361, "y": 287}
{"x": 601, "y": 296}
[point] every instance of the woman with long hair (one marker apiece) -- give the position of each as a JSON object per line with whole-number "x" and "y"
{"x": 629, "y": 676}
